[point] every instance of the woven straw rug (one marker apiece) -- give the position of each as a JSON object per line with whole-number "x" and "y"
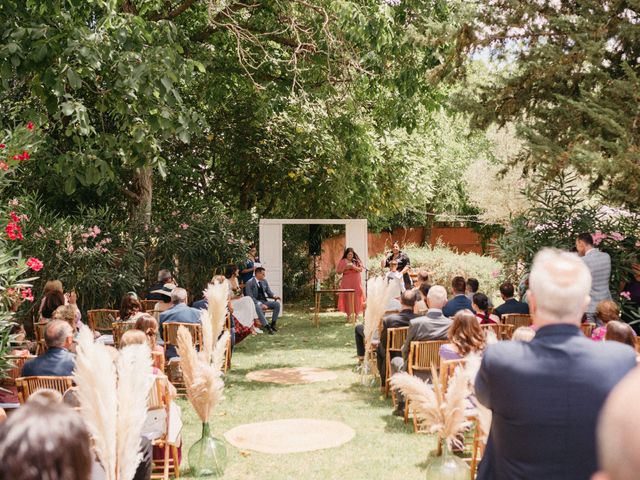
{"x": 290, "y": 436}
{"x": 292, "y": 376}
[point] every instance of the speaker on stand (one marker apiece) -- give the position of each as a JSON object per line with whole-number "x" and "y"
{"x": 315, "y": 250}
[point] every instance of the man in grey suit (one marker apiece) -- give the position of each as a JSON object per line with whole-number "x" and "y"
{"x": 599, "y": 264}
{"x": 57, "y": 361}
{"x": 546, "y": 394}
{"x": 432, "y": 326}
{"x": 258, "y": 289}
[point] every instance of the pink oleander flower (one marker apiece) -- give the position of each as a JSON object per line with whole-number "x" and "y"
{"x": 57, "y": 242}
{"x": 626, "y": 295}
{"x": 27, "y": 294}
{"x": 11, "y": 291}
{"x": 2, "y": 145}
{"x": 34, "y": 264}
{"x": 598, "y": 237}
{"x": 14, "y": 202}
{"x": 14, "y": 217}
{"x": 96, "y": 230}
{"x": 4, "y": 166}
{"x": 70, "y": 249}
{"x": 30, "y": 126}
{"x": 495, "y": 273}
{"x": 174, "y": 213}
{"x": 618, "y": 237}
{"x": 184, "y": 226}
{"x": 24, "y": 217}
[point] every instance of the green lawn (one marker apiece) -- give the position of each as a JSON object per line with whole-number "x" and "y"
{"x": 383, "y": 446}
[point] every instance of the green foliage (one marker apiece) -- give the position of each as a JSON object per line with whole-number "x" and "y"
{"x": 558, "y": 214}
{"x": 444, "y": 264}
{"x": 567, "y": 74}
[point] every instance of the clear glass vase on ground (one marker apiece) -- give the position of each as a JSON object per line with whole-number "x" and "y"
{"x": 208, "y": 456}
{"x": 447, "y": 466}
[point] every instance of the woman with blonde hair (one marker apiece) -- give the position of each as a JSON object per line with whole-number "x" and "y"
{"x": 148, "y": 325}
{"x": 465, "y": 336}
{"x": 606, "y": 311}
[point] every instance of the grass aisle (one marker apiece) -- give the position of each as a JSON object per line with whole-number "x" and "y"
{"x": 383, "y": 446}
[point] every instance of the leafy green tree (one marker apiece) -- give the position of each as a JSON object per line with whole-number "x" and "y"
{"x": 566, "y": 72}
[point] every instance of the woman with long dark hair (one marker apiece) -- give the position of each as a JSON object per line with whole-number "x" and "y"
{"x": 350, "y": 266}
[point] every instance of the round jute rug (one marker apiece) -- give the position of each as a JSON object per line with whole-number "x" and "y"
{"x": 290, "y": 436}
{"x": 292, "y": 376}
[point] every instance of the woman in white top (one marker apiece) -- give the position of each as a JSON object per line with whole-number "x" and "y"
{"x": 243, "y": 307}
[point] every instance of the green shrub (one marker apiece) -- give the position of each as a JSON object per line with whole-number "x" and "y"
{"x": 444, "y": 264}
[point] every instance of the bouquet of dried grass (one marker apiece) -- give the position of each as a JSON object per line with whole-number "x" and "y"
{"x": 472, "y": 366}
{"x": 213, "y": 318}
{"x": 378, "y": 296}
{"x": 113, "y": 401}
{"x": 442, "y": 412}
{"x": 202, "y": 373}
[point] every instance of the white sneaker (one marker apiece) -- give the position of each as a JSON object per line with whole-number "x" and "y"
{"x": 257, "y": 330}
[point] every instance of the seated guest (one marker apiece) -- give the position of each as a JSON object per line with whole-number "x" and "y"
{"x": 459, "y": 300}
{"x": 433, "y": 326}
{"x": 545, "y": 394}
{"x": 510, "y": 305}
{"x": 422, "y": 277}
{"x": 421, "y": 303}
{"x": 164, "y": 294}
{"x": 50, "y": 303}
{"x": 473, "y": 287}
{"x": 480, "y": 306}
{"x": 618, "y": 436}
{"x": 620, "y": 332}
{"x": 149, "y": 326}
{"x": 394, "y": 320}
{"x": 179, "y": 312}
{"x": 129, "y": 306}
{"x": 45, "y": 441}
{"x": 606, "y": 311}
{"x": 258, "y": 289}
{"x": 164, "y": 277}
{"x": 523, "y": 334}
{"x": 465, "y": 336}
{"x": 57, "y": 361}
{"x": 67, "y": 313}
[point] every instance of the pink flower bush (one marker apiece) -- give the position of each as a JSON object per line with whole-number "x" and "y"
{"x": 184, "y": 226}
{"x": 618, "y": 237}
{"x": 626, "y": 295}
{"x": 27, "y": 294}
{"x": 34, "y": 264}
{"x": 598, "y": 237}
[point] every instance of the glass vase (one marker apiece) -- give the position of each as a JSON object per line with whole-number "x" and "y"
{"x": 367, "y": 376}
{"x": 208, "y": 456}
{"x": 447, "y": 466}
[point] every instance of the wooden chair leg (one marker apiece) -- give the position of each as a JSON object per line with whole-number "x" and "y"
{"x": 406, "y": 411}
{"x": 386, "y": 377}
{"x": 165, "y": 473}
{"x": 176, "y": 461}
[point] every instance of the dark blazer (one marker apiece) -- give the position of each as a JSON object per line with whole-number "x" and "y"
{"x": 545, "y": 396}
{"x": 511, "y": 306}
{"x": 457, "y": 303}
{"x": 251, "y": 289}
{"x": 394, "y": 320}
{"x": 55, "y": 362}
{"x": 201, "y": 304}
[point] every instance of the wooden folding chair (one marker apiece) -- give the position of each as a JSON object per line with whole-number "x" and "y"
{"x": 8, "y": 381}
{"x": 638, "y": 344}
{"x": 41, "y": 345}
{"x": 159, "y": 398}
{"x": 158, "y": 360}
{"x": 227, "y": 328}
{"x": 148, "y": 304}
{"x": 422, "y": 355}
{"x": 587, "y": 329}
{"x": 517, "y": 319}
{"x": 118, "y": 329}
{"x": 27, "y": 385}
{"x": 170, "y": 337}
{"x": 502, "y": 331}
{"x": 448, "y": 368}
{"x": 395, "y": 339}
{"x": 101, "y": 320}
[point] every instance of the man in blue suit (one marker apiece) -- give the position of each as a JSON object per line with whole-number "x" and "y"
{"x": 510, "y": 305}
{"x": 180, "y": 312}
{"x": 258, "y": 289}
{"x": 546, "y": 394}
{"x": 459, "y": 300}
{"x": 57, "y": 361}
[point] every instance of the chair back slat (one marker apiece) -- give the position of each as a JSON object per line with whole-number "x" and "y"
{"x": 396, "y": 338}
{"x": 170, "y": 333}
{"x": 448, "y": 368}
{"x": 502, "y": 331}
{"x": 17, "y": 362}
{"x": 638, "y": 344}
{"x": 118, "y": 329}
{"x": 587, "y": 329}
{"x": 102, "y": 319}
{"x": 517, "y": 319}
{"x": 423, "y": 354}
{"x": 27, "y": 385}
{"x": 148, "y": 304}
{"x": 159, "y": 394}
{"x": 41, "y": 345}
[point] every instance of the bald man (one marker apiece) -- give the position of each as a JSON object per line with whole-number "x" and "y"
{"x": 546, "y": 394}
{"x": 619, "y": 432}
{"x": 57, "y": 361}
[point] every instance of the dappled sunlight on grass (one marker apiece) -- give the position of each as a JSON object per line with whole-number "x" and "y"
{"x": 384, "y": 447}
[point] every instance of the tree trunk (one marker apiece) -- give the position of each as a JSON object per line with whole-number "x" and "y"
{"x": 143, "y": 189}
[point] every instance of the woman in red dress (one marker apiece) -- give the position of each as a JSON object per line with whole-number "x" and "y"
{"x": 350, "y": 266}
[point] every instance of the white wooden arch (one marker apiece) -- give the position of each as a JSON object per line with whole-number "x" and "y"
{"x": 271, "y": 243}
